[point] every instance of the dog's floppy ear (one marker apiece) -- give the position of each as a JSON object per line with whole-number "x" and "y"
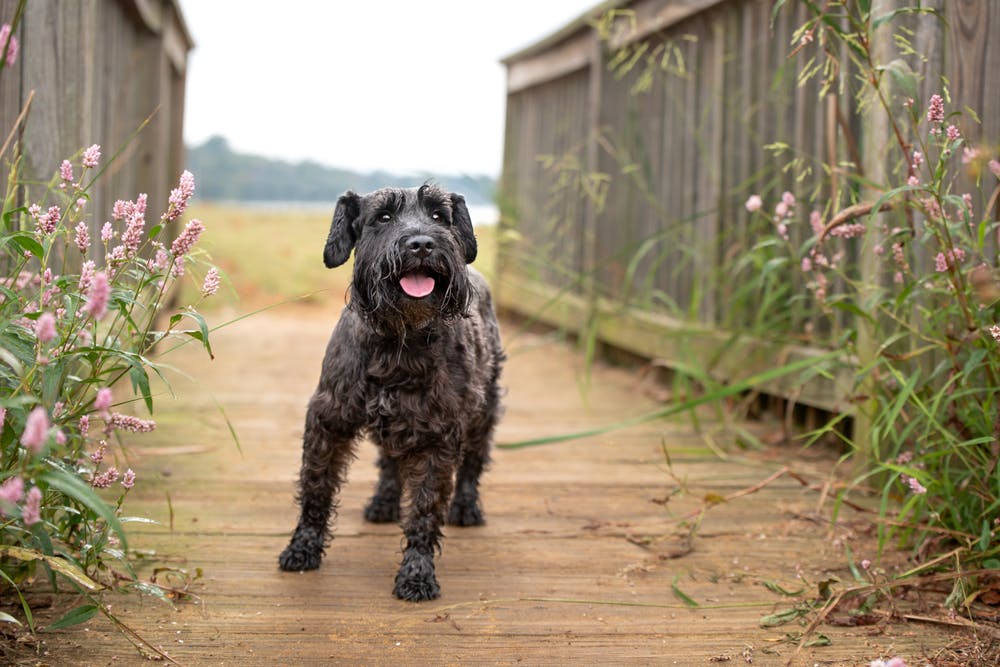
{"x": 343, "y": 230}
{"x": 463, "y": 225}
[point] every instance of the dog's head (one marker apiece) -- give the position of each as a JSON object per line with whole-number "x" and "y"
{"x": 411, "y": 247}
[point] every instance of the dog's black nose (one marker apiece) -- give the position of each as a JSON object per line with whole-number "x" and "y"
{"x": 421, "y": 246}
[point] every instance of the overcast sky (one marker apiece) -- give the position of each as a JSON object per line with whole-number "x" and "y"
{"x": 405, "y": 86}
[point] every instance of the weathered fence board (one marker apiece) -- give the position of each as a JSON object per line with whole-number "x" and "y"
{"x": 97, "y": 69}
{"x": 639, "y": 196}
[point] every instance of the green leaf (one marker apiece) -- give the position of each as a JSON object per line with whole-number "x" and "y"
{"x": 903, "y": 77}
{"x": 60, "y": 565}
{"x": 774, "y": 587}
{"x": 202, "y": 333}
{"x": 74, "y": 487}
{"x": 984, "y": 536}
{"x": 783, "y": 617}
{"x": 76, "y": 616}
{"x": 28, "y": 243}
{"x": 820, "y": 640}
{"x": 140, "y": 383}
{"x": 681, "y": 595}
{"x": 7, "y": 618}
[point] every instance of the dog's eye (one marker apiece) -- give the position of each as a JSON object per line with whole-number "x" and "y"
{"x": 385, "y": 217}
{"x": 436, "y": 216}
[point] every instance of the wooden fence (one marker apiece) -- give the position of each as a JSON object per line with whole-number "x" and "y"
{"x": 629, "y": 155}
{"x": 95, "y": 70}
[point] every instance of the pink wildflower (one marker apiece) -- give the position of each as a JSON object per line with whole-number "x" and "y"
{"x": 914, "y": 484}
{"x": 12, "y": 490}
{"x": 3, "y": 416}
{"x": 754, "y": 203}
{"x": 211, "y": 284}
{"x": 185, "y": 241}
{"x": 45, "y": 327}
{"x": 897, "y": 277}
{"x": 118, "y": 255}
{"x": 99, "y": 293}
{"x": 86, "y": 275}
{"x": 66, "y": 171}
{"x": 994, "y": 166}
{"x": 918, "y": 159}
{"x": 866, "y": 564}
{"x": 940, "y": 262}
{"x": 131, "y": 423}
{"x": 80, "y": 203}
{"x": 98, "y": 455}
{"x": 31, "y": 513}
{"x": 107, "y": 232}
{"x": 913, "y": 181}
{"x": 788, "y": 198}
{"x": 128, "y": 479}
{"x": 84, "y": 425}
{"x": 970, "y": 154}
{"x": 935, "y": 110}
{"x": 781, "y": 210}
{"x": 12, "y": 45}
{"x": 179, "y": 197}
{"x": 103, "y": 399}
{"x": 36, "y": 430}
{"x": 132, "y": 236}
{"x": 953, "y": 133}
{"x": 816, "y": 222}
{"x": 807, "y": 265}
{"x": 893, "y": 662}
{"x": 783, "y": 230}
{"x": 119, "y": 211}
{"x": 48, "y": 221}
{"x": 92, "y": 156}
{"x": 160, "y": 261}
{"x": 995, "y": 332}
{"x": 105, "y": 479}
{"x": 82, "y": 238}
{"x": 848, "y": 231}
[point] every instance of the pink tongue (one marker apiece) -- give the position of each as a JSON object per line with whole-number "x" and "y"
{"x": 417, "y": 285}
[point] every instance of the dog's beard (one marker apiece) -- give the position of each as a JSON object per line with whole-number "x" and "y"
{"x": 395, "y": 293}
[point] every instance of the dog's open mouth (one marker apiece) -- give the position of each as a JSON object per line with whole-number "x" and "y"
{"x": 417, "y": 284}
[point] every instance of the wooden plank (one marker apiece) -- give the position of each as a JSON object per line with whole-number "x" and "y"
{"x": 556, "y": 576}
{"x": 676, "y": 342}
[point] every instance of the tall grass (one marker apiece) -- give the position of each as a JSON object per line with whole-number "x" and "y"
{"x": 887, "y": 259}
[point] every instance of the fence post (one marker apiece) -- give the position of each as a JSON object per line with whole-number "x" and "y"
{"x": 876, "y": 136}
{"x": 589, "y": 231}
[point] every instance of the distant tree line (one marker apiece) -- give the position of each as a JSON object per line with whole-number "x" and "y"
{"x": 225, "y": 175}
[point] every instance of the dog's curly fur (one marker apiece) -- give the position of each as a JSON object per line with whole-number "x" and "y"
{"x": 417, "y": 375}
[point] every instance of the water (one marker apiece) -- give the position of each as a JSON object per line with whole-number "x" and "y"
{"x": 481, "y": 214}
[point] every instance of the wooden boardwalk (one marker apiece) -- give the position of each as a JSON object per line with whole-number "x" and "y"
{"x": 576, "y": 565}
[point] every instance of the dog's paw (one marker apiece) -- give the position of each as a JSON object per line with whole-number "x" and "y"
{"x": 298, "y": 557}
{"x": 465, "y": 512}
{"x": 417, "y": 589}
{"x": 381, "y": 510}
{"x": 415, "y": 581}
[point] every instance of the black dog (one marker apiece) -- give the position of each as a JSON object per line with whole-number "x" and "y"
{"x": 413, "y": 364}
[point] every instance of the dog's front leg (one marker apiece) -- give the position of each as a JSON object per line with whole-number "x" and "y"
{"x": 429, "y": 483}
{"x": 327, "y": 450}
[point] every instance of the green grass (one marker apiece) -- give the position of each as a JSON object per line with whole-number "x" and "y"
{"x": 273, "y": 255}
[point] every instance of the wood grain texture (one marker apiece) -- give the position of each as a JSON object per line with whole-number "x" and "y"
{"x": 577, "y": 563}
{"x": 683, "y": 154}
{"x": 98, "y": 70}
